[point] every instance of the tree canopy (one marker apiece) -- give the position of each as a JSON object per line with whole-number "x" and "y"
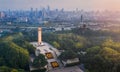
{"x": 39, "y": 61}
{"x": 67, "y": 55}
{"x": 14, "y": 52}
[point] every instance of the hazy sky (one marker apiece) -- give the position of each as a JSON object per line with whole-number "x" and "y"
{"x": 66, "y": 4}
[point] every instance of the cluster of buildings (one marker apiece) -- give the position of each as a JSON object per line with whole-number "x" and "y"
{"x": 57, "y": 15}
{"x": 29, "y": 16}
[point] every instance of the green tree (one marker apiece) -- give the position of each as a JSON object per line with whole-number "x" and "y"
{"x": 2, "y": 61}
{"x": 40, "y": 61}
{"x": 78, "y": 45}
{"x": 56, "y": 45}
{"x": 14, "y": 70}
{"x": 13, "y": 55}
{"x": 24, "y": 44}
{"x": 4, "y": 69}
{"x": 68, "y": 55}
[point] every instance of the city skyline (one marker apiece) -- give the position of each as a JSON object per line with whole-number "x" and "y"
{"x": 113, "y": 5}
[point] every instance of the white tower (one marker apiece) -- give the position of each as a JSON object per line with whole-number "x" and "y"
{"x": 39, "y": 36}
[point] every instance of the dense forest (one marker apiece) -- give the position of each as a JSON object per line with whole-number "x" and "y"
{"x": 14, "y": 53}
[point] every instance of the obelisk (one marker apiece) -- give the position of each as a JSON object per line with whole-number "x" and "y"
{"x": 39, "y": 36}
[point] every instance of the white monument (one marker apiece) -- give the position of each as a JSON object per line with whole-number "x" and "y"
{"x": 39, "y": 36}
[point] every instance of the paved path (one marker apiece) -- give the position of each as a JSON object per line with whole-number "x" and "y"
{"x": 67, "y": 69}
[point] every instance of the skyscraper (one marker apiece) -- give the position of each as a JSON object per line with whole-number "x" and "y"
{"x": 2, "y": 14}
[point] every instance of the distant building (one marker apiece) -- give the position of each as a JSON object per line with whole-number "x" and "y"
{"x": 70, "y": 61}
{"x": 22, "y": 19}
{"x": 2, "y": 14}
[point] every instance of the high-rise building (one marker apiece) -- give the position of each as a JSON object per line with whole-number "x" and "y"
{"x": 48, "y": 8}
{"x": 31, "y": 13}
{"x": 2, "y": 14}
{"x": 81, "y": 18}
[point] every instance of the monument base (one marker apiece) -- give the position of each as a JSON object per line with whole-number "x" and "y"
{"x": 41, "y": 44}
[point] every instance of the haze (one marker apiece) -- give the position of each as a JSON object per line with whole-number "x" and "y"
{"x": 113, "y": 5}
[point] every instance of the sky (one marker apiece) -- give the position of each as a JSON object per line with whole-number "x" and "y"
{"x": 113, "y": 5}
